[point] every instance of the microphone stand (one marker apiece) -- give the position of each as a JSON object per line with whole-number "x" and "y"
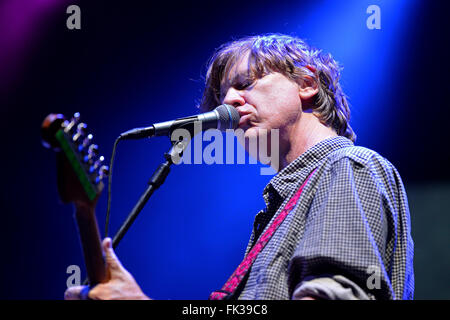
{"x": 157, "y": 179}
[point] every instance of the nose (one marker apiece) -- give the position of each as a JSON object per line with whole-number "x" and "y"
{"x": 234, "y": 98}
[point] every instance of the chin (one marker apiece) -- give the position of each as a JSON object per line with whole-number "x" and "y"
{"x": 252, "y": 133}
{"x": 245, "y": 135}
{"x": 252, "y": 138}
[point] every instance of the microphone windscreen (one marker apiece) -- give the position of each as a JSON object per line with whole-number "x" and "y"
{"x": 228, "y": 117}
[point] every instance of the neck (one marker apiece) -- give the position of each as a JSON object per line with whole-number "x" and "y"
{"x": 304, "y": 134}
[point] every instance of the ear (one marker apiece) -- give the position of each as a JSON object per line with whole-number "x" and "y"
{"x": 308, "y": 88}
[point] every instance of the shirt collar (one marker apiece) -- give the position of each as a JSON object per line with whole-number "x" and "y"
{"x": 287, "y": 179}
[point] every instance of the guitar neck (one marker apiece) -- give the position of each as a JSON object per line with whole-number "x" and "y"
{"x": 80, "y": 171}
{"x": 91, "y": 244}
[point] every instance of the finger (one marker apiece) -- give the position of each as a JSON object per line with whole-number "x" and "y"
{"x": 112, "y": 261}
{"x": 75, "y": 293}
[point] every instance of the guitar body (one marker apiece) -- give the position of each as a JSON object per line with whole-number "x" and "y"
{"x": 79, "y": 179}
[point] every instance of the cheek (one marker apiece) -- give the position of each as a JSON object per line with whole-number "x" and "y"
{"x": 278, "y": 100}
{"x": 289, "y": 98}
{"x": 280, "y": 110}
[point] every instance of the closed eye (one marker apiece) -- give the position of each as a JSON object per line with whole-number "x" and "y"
{"x": 241, "y": 85}
{"x": 239, "y": 82}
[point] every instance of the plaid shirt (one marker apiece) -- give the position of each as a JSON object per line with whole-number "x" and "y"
{"x": 348, "y": 236}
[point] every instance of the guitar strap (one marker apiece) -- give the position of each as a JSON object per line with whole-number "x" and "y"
{"x": 238, "y": 275}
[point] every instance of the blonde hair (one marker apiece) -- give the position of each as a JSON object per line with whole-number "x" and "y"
{"x": 291, "y": 57}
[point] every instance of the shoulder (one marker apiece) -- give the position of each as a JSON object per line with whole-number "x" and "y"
{"x": 359, "y": 157}
{"x": 363, "y": 164}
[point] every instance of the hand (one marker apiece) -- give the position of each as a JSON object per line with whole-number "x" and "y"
{"x": 120, "y": 285}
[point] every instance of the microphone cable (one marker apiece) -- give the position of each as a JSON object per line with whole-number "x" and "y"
{"x": 108, "y": 208}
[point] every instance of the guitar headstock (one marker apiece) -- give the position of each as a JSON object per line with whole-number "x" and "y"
{"x": 80, "y": 167}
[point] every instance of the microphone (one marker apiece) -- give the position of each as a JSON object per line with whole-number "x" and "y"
{"x": 223, "y": 117}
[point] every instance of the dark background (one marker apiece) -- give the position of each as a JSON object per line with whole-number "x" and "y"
{"x": 134, "y": 63}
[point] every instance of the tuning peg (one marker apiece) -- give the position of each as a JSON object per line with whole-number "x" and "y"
{"x": 86, "y": 142}
{"x": 65, "y": 124}
{"x": 97, "y": 164}
{"x": 82, "y": 127}
{"x": 68, "y": 128}
{"x": 91, "y": 153}
{"x": 93, "y": 148}
{"x": 104, "y": 170}
{"x": 81, "y": 131}
{"x": 102, "y": 173}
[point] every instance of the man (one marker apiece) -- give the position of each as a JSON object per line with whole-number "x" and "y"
{"x": 337, "y": 223}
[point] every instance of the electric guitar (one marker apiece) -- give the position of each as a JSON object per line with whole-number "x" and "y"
{"x": 80, "y": 172}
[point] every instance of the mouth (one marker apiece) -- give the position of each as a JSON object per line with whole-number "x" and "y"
{"x": 244, "y": 121}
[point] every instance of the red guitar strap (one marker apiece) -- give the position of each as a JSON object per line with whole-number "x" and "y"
{"x": 233, "y": 282}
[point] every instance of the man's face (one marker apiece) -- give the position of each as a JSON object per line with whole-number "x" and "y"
{"x": 272, "y": 102}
